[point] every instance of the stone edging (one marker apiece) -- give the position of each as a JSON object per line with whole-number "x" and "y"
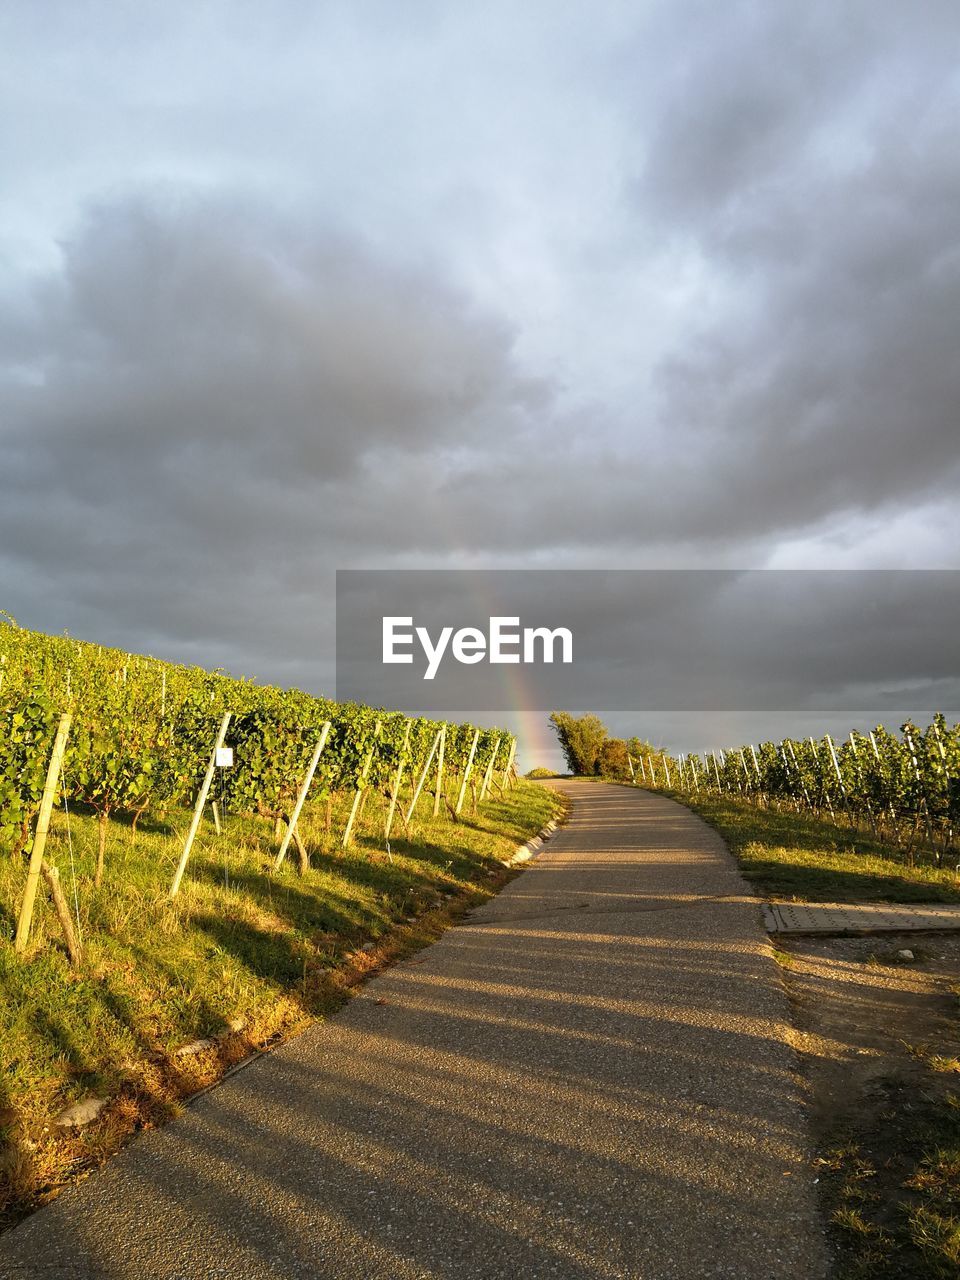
{"x": 533, "y": 846}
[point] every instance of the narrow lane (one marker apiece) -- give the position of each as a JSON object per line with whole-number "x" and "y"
{"x": 588, "y": 1079}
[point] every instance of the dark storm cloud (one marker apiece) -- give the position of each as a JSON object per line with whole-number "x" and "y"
{"x": 175, "y": 324}
{"x": 207, "y": 385}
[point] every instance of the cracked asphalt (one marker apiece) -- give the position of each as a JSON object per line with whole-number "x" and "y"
{"x": 587, "y": 1079}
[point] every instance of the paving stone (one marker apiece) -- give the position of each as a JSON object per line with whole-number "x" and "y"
{"x": 860, "y": 917}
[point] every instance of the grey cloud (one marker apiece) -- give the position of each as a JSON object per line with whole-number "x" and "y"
{"x": 175, "y": 323}
{"x": 749, "y": 96}
{"x": 748, "y": 88}
{"x": 829, "y": 383}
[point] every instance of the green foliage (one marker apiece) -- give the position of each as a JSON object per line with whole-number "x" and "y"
{"x": 27, "y": 729}
{"x": 581, "y": 739}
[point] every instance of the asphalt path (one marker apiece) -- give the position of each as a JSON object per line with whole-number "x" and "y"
{"x": 588, "y": 1078}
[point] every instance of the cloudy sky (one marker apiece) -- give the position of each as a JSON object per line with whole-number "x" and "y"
{"x": 288, "y": 288}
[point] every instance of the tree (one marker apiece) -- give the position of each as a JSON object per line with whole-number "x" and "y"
{"x": 613, "y": 761}
{"x": 582, "y": 739}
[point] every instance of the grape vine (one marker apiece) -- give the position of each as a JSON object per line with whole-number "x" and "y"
{"x": 905, "y": 789}
{"x": 143, "y": 729}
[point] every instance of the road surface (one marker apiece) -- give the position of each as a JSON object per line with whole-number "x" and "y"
{"x": 587, "y": 1080}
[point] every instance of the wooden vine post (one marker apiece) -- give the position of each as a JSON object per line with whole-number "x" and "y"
{"x": 199, "y": 806}
{"x": 509, "y": 765}
{"x": 302, "y": 795}
{"x": 436, "y": 798}
{"x": 488, "y": 774}
{"x": 40, "y": 836}
{"x": 52, "y": 877}
{"x": 423, "y": 775}
{"x": 395, "y": 789}
{"x": 359, "y": 791}
{"x": 466, "y": 772}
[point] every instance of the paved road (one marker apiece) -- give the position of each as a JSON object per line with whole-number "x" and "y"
{"x": 588, "y": 1080}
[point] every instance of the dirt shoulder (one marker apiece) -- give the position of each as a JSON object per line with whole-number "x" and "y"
{"x": 879, "y": 1038}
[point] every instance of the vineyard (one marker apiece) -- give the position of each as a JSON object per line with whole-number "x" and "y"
{"x": 142, "y": 737}
{"x": 904, "y": 790}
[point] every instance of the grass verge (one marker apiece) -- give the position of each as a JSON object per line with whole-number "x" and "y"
{"x": 242, "y": 958}
{"x": 790, "y": 855}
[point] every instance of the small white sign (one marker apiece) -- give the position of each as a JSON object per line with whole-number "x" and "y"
{"x": 224, "y": 758}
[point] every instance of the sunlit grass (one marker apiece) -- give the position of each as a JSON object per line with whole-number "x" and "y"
{"x": 937, "y": 1236}
{"x": 793, "y": 855}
